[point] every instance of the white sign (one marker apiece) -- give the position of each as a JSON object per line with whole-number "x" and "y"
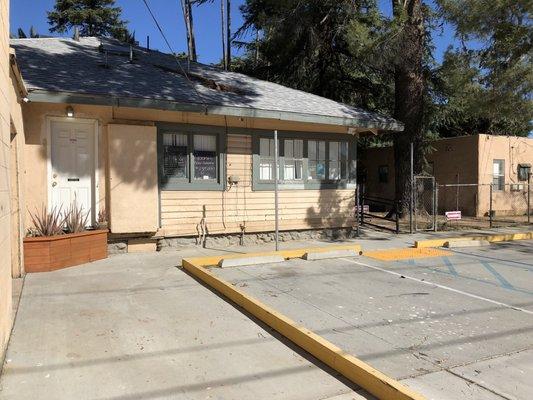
{"x": 453, "y": 215}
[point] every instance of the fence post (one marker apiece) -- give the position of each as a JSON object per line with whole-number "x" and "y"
{"x": 435, "y": 204}
{"x": 490, "y": 207}
{"x": 529, "y": 198}
{"x": 397, "y": 218}
{"x": 357, "y": 213}
{"x": 362, "y": 205}
{"x": 412, "y": 199}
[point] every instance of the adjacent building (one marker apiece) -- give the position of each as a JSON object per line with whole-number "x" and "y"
{"x": 469, "y": 165}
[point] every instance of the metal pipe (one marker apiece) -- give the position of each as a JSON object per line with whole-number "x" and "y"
{"x": 357, "y": 209}
{"x": 435, "y": 204}
{"x": 276, "y": 175}
{"x": 411, "y": 203}
{"x": 529, "y": 198}
{"x": 490, "y": 208}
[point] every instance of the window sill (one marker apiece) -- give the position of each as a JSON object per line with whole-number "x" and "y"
{"x": 195, "y": 186}
{"x": 310, "y": 185}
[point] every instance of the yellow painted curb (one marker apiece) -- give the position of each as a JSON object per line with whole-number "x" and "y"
{"x": 294, "y": 253}
{"x": 490, "y": 238}
{"x": 357, "y": 371}
{"x": 405, "y": 254}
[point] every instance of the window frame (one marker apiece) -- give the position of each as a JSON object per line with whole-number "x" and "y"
{"x": 523, "y": 167}
{"x": 500, "y": 187}
{"x": 306, "y": 182}
{"x": 190, "y": 183}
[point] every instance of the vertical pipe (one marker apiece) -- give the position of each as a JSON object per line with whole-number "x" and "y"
{"x": 398, "y": 220}
{"x": 435, "y": 205}
{"x": 276, "y": 175}
{"x": 411, "y": 203}
{"x": 490, "y": 207}
{"x": 357, "y": 209}
{"x": 529, "y": 198}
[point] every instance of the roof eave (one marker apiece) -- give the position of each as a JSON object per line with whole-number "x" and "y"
{"x": 43, "y": 96}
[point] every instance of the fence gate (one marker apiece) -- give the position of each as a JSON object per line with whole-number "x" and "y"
{"x": 425, "y": 203}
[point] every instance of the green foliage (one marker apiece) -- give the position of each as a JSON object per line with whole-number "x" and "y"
{"x": 91, "y": 17}
{"x": 304, "y": 45}
{"x": 488, "y": 89}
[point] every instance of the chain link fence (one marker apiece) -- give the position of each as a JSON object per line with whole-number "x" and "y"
{"x": 481, "y": 206}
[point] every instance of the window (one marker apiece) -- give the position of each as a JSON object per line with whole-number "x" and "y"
{"x": 188, "y": 159}
{"x": 383, "y": 174}
{"x": 498, "y": 175}
{"x": 303, "y": 163}
{"x": 338, "y": 160}
{"x": 205, "y": 157}
{"x": 316, "y": 152}
{"x": 293, "y": 155}
{"x": 523, "y": 172}
{"x": 175, "y": 155}
{"x": 266, "y": 163}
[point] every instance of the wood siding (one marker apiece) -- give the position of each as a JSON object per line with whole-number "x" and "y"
{"x": 225, "y": 211}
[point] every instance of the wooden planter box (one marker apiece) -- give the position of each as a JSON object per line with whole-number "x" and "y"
{"x": 55, "y": 252}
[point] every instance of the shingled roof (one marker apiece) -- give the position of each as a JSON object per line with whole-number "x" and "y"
{"x": 98, "y": 71}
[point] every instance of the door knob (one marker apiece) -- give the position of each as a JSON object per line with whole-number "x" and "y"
{"x": 54, "y": 184}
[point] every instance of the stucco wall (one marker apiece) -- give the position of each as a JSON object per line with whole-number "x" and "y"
{"x": 5, "y": 205}
{"x": 464, "y": 160}
{"x": 514, "y": 151}
{"x": 133, "y": 190}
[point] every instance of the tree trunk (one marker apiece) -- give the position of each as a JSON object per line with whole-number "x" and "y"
{"x": 228, "y": 34}
{"x": 191, "y": 44}
{"x": 223, "y": 33}
{"x": 409, "y": 97}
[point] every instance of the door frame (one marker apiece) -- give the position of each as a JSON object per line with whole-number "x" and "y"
{"x": 96, "y": 132}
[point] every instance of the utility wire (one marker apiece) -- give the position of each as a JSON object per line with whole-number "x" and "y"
{"x": 174, "y": 54}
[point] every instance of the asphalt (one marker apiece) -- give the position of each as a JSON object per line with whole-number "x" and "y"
{"x": 136, "y": 327}
{"x": 459, "y": 326}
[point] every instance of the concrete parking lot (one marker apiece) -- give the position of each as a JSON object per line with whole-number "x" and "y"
{"x": 457, "y": 326}
{"x": 136, "y": 327}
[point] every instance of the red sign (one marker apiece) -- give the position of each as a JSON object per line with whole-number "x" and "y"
{"x": 453, "y": 215}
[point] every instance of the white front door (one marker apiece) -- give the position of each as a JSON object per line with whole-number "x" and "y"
{"x": 73, "y": 165}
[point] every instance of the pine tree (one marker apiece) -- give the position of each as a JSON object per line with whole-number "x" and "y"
{"x": 91, "y": 17}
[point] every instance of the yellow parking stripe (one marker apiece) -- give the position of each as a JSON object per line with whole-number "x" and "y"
{"x": 405, "y": 254}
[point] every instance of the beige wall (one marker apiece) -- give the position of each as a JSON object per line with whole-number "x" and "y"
{"x": 5, "y": 204}
{"x": 181, "y": 210}
{"x": 133, "y": 190}
{"x": 514, "y": 151}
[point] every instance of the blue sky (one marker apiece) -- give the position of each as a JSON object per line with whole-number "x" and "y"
{"x": 25, "y": 13}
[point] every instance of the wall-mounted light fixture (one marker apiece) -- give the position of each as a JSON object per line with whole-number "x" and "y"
{"x": 70, "y": 112}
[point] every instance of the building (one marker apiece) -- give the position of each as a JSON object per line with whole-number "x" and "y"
{"x": 478, "y": 160}
{"x": 172, "y": 149}
{"x": 11, "y": 148}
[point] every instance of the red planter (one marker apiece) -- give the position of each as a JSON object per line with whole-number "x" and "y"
{"x": 55, "y": 252}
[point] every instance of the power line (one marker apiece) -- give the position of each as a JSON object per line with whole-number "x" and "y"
{"x": 174, "y": 54}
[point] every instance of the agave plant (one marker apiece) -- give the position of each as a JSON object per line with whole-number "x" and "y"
{"x": 76, "y": 218}
{"x": 47, "y": 223}
{"x": 102, "y": 216}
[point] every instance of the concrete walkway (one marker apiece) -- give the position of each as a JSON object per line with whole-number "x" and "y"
{"x": 136, "y": 327}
